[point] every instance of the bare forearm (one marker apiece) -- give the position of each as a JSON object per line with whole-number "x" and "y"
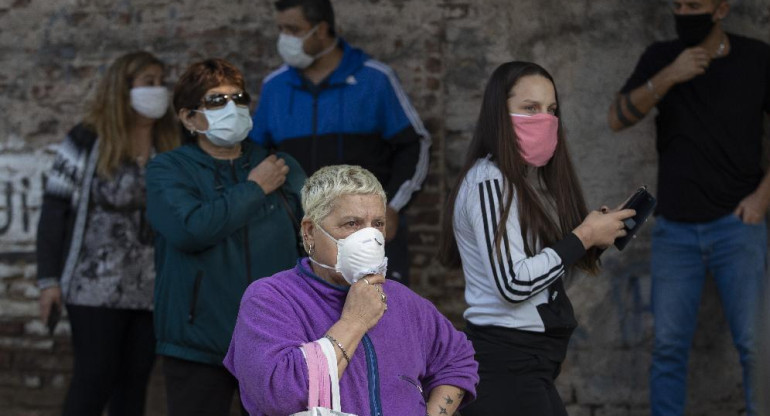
{"x": 630, "y": 108}
{"x": 444, "y": 400}
{"x": 763, "y": 190}
{"x": 348, "y": 334}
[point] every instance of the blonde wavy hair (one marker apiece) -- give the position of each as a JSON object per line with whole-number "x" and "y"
{"x": 112, "y": 117}
{"x": 322, "y": 189}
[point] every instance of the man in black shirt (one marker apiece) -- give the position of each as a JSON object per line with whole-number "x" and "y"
{"x": 711, "y": 89}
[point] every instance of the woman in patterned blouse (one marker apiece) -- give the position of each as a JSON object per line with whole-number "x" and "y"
{"x": 94, "y": 247}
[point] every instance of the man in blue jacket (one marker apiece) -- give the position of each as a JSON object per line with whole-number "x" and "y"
{"x": 332, "y": 104}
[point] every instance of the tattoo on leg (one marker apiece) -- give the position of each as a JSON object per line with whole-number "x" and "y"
{"x": 443, "y": 411}
{"x": 448, "y": 400}
{"x": 460, "y": 395}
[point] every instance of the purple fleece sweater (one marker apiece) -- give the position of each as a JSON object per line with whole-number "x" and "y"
{"x": 416, "y": 348}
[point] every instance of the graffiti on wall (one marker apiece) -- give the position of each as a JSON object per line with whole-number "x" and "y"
{"x": 22, "y": 179}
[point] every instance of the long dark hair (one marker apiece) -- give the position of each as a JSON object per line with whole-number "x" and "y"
{"x": 494, "y": 135}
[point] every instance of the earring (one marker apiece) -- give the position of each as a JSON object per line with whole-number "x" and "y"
{"x": 311, "y": 251}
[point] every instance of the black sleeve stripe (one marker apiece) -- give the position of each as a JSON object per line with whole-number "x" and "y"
{"x": 559, "y": 272}
{"x": 509, "y": 290}
{"x": 491, "y": 239}
{"x": 547, "y": 277}
{"x": 490, "y": 250}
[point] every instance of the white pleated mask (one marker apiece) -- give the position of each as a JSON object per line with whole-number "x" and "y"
{"x": 359, "y": 254}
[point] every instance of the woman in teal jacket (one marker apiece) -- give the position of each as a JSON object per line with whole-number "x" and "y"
{"x": 223, "y": 210}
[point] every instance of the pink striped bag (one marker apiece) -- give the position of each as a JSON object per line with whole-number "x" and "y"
{"x": 323, "y": 385}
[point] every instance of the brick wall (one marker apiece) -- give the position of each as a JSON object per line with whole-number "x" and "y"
{"x": 53, "y": 53}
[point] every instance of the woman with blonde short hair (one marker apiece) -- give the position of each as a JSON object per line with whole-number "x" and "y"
{"x": 394, "y": 353}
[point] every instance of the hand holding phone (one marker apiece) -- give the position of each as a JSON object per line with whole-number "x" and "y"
{"x": 644, "y": 204}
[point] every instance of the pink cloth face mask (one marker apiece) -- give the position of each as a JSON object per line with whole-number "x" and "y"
{"x": 537, "y": 135}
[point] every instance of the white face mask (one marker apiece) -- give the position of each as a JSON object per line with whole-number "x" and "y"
{"x": 228, "y": 125}
{"x": 151, "y": 102}
{"x": 359, "y": 254}
{"x": 292, "y": 51}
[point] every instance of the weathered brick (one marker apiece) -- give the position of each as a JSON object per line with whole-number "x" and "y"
{"x": 23, "y": 343}
{"x": 18, "y": 309}
{"x": 8, "y": 379}
{"x": 29, "y": 361}
{"x": 40, "y": 398}
{"x": 59, "y": 381}
{"x": 577, "y": 410}
{"x": 24, "y": 288}
{"x": 620, "y": 411}
{"x": 432, "y": 84}
{"x": 10, "y": 270}
{"x": 38, "y": 328}
{"x": 12, "y": 328}
{"x": 5, "y": 359}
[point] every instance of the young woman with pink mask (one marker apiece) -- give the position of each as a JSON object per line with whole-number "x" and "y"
{"x": 517, "y": 223}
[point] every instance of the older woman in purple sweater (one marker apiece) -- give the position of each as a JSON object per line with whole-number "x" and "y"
{"x": 396, "y": 354}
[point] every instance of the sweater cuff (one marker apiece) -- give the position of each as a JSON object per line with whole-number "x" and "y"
{"x": 256, "y": 188}
{"x": 46, "y": 282}
{"x": 570, "y": 249}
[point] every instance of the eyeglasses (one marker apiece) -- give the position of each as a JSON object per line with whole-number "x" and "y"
{"x": 214, "y": 101}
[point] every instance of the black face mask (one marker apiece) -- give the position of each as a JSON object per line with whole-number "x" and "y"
{"x": 692, "y": 29}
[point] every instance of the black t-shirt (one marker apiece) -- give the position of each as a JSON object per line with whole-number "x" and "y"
{"x": 709, "y": 129}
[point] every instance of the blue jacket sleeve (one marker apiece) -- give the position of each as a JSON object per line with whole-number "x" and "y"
{"x": 177, "y": 211}
{"x": 408, "y": 138}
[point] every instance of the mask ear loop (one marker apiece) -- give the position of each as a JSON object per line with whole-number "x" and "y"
{"x": 322, "y": 265}
{"x": 328, "y": 235}
{"x": 334, "y": 269}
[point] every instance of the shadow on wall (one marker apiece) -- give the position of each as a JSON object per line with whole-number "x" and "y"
{"x": 630, "y": 294}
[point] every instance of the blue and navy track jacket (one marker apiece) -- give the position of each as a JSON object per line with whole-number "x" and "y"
{"x": 359, "y": 115}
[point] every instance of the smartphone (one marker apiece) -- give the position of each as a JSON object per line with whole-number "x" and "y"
{"x": 53, "y": 318}
{"x": 644, "y": 204}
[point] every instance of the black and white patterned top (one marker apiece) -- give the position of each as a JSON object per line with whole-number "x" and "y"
{"x": 115, "y": 267}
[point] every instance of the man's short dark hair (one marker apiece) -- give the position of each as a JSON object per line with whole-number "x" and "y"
{"x": 315, "y": 11}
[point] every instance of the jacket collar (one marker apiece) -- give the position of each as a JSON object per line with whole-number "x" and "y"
{"x": 250, "y": 151}
{"x": 352, "y": 60}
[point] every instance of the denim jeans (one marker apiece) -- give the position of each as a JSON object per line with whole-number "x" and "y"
{"x": 735, "y": 254}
